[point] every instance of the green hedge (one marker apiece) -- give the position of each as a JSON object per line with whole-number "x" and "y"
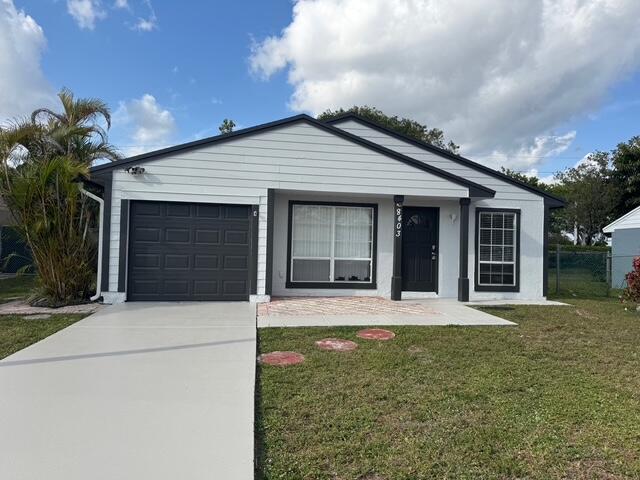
{"x": 581, "y": 248}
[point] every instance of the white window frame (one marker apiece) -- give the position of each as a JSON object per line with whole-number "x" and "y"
{"x": 332, "y": 258}
{"x": 515, "y": 246}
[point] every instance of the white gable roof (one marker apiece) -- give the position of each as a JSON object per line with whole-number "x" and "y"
{"x": 629, "y": 220}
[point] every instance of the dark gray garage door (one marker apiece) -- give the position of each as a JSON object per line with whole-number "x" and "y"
{"x": 188, "y": 251}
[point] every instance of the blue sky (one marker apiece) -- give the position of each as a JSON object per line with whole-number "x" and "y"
{"x": 171, "y": 74}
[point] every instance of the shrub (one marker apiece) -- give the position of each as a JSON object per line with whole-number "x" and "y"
{"x": 632, "y": 290}
{"x": 42, "y": 165}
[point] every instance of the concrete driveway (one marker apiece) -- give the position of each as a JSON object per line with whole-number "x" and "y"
{"x": 135, "y": 391}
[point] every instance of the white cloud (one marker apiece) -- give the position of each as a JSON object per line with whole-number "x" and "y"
{"x": 495, "y": 75}
{"x": 149, "y": 23}
{"x": 530, "y": 155}
{"x": 121, "y": 4}
{"x": 145, "y": 24}
{"x": 86, "y": 12}
{"x": 149, "y": 125}
{"x": 23, "y": 86}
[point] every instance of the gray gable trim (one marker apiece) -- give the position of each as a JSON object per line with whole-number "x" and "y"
{"x": 475, "y": 190}
{"x": 551, "y": 200}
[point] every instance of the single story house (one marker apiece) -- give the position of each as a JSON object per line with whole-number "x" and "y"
{"x": 304, "y": 207}
{"x": 625, "y": 245}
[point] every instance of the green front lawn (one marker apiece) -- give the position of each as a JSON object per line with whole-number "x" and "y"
{"x": 16, "y": 332}
{"x": 556, "y": 397}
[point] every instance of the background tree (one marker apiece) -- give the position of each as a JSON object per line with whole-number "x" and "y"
{"x": 530, "y": 180}
{"x": 405, "y": 126}
{"x": 591, "y": 197}
{"x": 626, "y": 175}
{"x": 227, "y": 126}
{"x": 42, "y": 162}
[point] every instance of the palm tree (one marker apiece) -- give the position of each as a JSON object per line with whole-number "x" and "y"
{"x": 42, "y": 161}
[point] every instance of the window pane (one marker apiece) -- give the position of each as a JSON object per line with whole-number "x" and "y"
{"x": 353, "y": 232}
{"x": 496, "y": 274}
{"x": 508, "y": 254}
{"x": 509, "y": 238}
{"x": 485, "y": 237}
{"x": 497, "y": 237}
{"x": 485, "y": 220}
{"x": 498, "y": 220}
{"x": 310, "y": 270}
{"x": 485, "y": 253}
{"x": 496, "y": 254}
{"x": 509, "y": 220}
{"x": 311, "y": 236}
{"x": 352, "y": 271}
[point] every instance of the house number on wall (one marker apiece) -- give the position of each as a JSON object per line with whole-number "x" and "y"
{"x": 398, "y": 219}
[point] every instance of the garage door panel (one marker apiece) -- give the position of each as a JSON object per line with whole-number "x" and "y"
{"x": 178, "y": 210}
{"x": 207, "y": 237}
{"x": 177, "y": 235}
{"x": 189, "y": 251}
{"x": 205, "y": 287}
{"x": 207, "y": 211}
{"x": 239, "y": 212}
{"x": 146, "y": 234}
{"x": 234, "y": 287}
{"x": 236, "y": 262}
{"x": 236, "y": 237}
{"x": 205, "y": 262}
{"x": 145, "y": 260}
{"x": 149, "y": 209}
{"x": 177, "y": 262}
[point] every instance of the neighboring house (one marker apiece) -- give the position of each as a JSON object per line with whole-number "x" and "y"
{"x": 303, "y": 207}
{"x": 625, "y": 245}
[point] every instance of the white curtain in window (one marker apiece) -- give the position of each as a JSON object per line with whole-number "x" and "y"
{"x": 311, "y": 233}
{"x": 353, "y": 232}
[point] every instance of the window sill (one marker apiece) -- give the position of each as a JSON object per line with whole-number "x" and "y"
{"x": 497, "y": 288}
{"x": 332, "y": 286}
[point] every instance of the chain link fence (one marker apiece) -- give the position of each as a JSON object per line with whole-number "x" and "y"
{"x": 14, "y": 254}
{"x": 585, "y": 273}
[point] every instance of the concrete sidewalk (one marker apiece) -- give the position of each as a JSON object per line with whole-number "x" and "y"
{"x": 440, "y": 312}
{"x": 135, "y": 391}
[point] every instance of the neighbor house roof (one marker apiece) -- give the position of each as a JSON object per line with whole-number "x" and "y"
{"x": 628, "y": 220}
{"x": 475, "y": 189}
{"x": 552, "y": 200}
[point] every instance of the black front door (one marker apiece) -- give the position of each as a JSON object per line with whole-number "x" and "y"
{"x": 420, "y": 249}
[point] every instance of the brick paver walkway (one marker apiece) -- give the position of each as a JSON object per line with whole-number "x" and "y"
{"x": 341, "y": 306}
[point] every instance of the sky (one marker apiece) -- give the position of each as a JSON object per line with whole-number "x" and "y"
{"x": 533, "y": 86}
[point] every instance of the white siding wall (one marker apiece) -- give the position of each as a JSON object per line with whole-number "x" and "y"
{"x": 507, "y": 196}
{"x": 504, "y": 190}
{"x": 295, "y": 157}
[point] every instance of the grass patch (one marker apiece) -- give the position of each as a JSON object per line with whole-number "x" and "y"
{"x": 580, "y": 283}
{"x": 16, "y": 288}
{"x": 16, "y": 332}
{"x": 556, "y": 397}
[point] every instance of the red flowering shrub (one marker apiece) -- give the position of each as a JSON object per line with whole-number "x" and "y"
{"x": 632, "y": 291}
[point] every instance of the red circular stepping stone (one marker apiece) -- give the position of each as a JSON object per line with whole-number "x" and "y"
{"x": 281, "y": 359}
{"x": 336, "y": 344}
{"x": 376, "y": 334}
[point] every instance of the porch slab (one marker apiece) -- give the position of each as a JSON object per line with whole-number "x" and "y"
{"x": 326, "y": 312}
{"x": 491, "y": 303}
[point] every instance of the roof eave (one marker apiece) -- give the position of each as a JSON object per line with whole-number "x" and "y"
{"x": 553, "y": 201}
